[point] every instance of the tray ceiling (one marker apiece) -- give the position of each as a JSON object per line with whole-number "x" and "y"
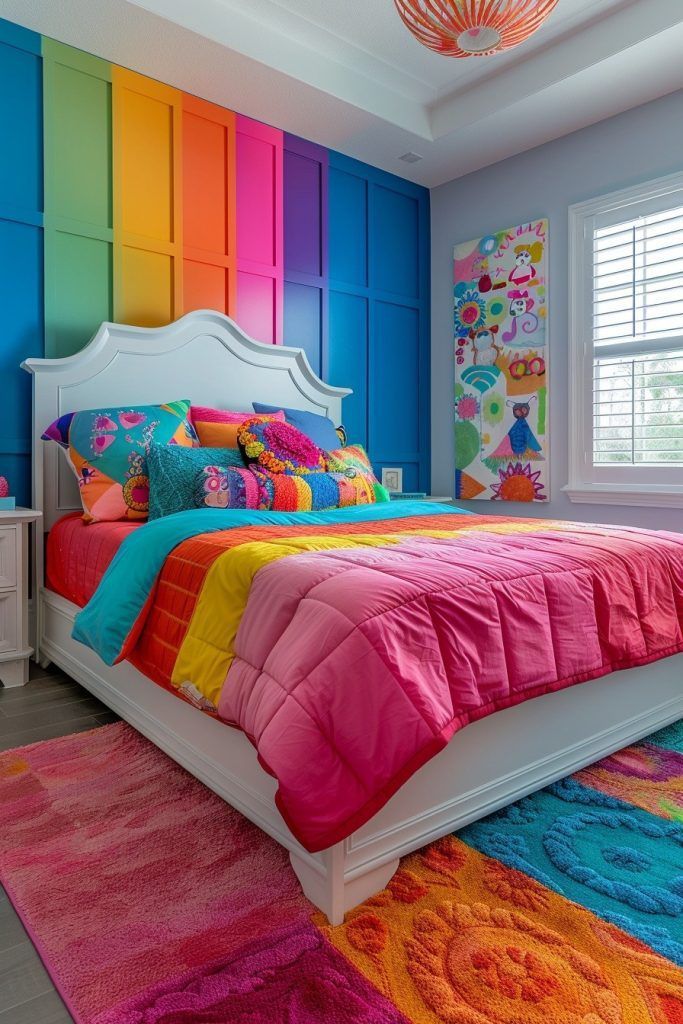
{"x": 350, "y": 76}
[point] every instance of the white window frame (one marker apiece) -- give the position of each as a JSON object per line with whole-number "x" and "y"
{"x": 610, "y": 485}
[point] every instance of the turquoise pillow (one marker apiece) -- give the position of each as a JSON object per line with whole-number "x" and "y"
{"x": 173, "y": 473}
{"x": 320, "y": 429}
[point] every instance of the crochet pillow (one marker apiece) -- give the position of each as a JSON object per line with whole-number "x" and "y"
{"x": 320, "y": 429}
{"x": 107, "y": 450}
{"x": 173, "y": 471}
{"x": 279, "y": 447}
{"x": 352, "y": 461}
{"x": 224, "y": 486}
{"x": 217, "y": 428}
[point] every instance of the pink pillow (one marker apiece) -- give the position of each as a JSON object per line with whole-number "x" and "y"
{"x": 217, "y": 428}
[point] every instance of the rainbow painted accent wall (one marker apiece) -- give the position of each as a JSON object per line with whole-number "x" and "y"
{"x": 123, "y": 198}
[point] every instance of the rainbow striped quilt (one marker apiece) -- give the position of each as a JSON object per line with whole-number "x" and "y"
{"x": 351, "y": 645}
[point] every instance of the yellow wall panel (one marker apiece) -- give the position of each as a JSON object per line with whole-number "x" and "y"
{"x": 147, "y": 145}
{"x": 147, "y": 284}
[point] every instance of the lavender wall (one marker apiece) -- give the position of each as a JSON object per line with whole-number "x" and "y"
{"x": 633, "y": 147}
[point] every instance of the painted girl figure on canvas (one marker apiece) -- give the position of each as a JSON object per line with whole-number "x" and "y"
{"x": 524, "y": 272}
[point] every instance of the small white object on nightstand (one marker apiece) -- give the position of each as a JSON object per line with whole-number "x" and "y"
{"x": 14, "y": 584}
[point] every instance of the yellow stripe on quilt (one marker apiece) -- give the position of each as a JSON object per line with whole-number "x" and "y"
{"x": 208, "y": 648}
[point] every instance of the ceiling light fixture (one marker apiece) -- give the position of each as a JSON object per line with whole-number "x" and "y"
{"x": 473, "y": 28}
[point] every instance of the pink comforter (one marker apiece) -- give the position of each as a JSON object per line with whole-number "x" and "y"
{"x": 354, "y": 667}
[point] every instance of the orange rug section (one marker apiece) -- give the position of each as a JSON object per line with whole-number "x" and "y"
{"x": 463, "y": 939}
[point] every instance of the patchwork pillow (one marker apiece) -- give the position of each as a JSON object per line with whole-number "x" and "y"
{"x": 173, "y": 471}
{"x": 320, "y": 429}
{"x": 217, "y": 428}
{"x": 352, "y": 461}
{"x": 284, "y": 492}
{"x": 225, "y": 486}
{"x": 279, "y": 447}
{"x": 107, "y": 450}
{"x": 254, "y": 488}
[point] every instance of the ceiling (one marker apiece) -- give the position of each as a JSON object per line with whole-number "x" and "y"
{"x": 348, "y": 74}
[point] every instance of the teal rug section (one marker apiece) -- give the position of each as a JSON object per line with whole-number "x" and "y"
{"x": 621, "y": 862}
{"x": 671, "y": 737}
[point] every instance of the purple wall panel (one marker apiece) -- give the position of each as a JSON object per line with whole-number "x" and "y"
{"x": 306, "y": 263}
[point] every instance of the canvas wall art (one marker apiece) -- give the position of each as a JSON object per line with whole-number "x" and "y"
{"x": 501, "y": 365}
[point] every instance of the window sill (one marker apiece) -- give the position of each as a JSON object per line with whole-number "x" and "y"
{"x": 616, "y": 494}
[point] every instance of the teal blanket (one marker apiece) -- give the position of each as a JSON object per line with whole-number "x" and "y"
{"x": 113, "y": 611}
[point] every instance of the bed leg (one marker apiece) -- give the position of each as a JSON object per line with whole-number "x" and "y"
{"x": 328, "y": 888}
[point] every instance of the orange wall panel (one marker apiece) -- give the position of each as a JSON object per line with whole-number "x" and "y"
{"x": 209, "y": 207}
{"x": 147, "y": 152}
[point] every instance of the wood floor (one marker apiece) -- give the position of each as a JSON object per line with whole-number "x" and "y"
{"x": 50, "y": 705}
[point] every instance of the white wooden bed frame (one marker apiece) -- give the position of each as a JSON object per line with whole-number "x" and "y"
{"x": 207, "y": 358}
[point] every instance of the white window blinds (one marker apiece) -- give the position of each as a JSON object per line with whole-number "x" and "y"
{"x": 637, "y": 329}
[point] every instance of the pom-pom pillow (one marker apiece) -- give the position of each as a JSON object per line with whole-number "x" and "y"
{"x": 173, "y": 473}
{"x": 320, "y": 429}
{"x": 217, "y": 428}
{"x": 107, "y": 450}
{"x": 279, "y": 448}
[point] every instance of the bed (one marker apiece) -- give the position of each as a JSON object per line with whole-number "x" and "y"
{"x": 495, "y": 760}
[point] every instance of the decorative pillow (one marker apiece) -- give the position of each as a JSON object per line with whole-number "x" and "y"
{"x": 279, "y": 447}
{"x": 217, "y": 428}
{"x": 107, "y": 450}
{"x": 224, "y": 486}
{"x": 315, "y": 492}
{"x": 173, "y": 471}
{"x": 353, "y": 460}
{"x": 320, "y": 429}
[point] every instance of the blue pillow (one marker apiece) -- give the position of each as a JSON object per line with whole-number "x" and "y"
{"x": 173, "y": 470}
{"x": 320, "y": 429}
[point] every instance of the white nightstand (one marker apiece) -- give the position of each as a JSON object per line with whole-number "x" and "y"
{"x": 14, "y": 585}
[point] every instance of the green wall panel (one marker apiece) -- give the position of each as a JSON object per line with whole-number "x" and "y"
{"x": 78, "y": 196}
{"x": 80, "y": 276}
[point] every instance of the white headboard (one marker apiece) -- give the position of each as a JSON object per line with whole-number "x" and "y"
{"x": 204, "y": 356}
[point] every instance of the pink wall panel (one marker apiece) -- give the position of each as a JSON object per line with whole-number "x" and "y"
{"x": 260, "y": 249}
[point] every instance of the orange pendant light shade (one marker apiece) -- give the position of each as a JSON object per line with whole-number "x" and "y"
{"x": 473, "y": 28}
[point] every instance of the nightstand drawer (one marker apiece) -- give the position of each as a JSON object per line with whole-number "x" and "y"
{"x": 9, "y": 640}
{"x": 8, "y": 556}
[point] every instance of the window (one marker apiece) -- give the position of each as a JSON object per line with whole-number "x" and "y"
{"x": 626, "y": 346}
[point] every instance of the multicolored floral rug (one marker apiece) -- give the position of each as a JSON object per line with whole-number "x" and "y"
{"x": 152, "y": 902}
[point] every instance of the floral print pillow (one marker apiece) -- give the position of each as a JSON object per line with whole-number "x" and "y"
{"x": 107, "y": 450}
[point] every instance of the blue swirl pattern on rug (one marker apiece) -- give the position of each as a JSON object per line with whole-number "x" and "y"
{"x": 621, "y": 862}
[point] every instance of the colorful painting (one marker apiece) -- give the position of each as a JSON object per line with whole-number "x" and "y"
{"x": 501, "y": 361}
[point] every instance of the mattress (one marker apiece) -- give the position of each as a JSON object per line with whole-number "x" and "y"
{"x": 78, "y": 554}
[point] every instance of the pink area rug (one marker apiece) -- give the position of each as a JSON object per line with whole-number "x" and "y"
{"x": 150, "y": 900}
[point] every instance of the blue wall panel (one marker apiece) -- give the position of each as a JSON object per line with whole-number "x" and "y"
{"x": 303, "y": 322}
{"x": 21, "y": 244}
{"x": 348, "y": 227}
{"x": 379, "y": 313}
{"x": 348, "y": 359}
